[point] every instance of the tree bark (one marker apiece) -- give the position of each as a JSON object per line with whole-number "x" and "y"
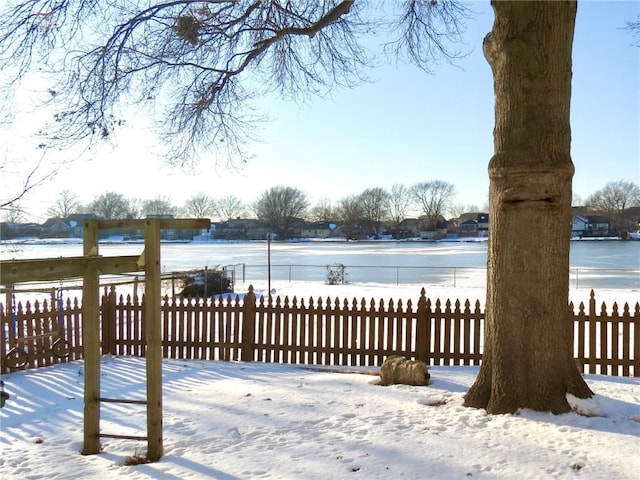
{"x": 528, "y": 350}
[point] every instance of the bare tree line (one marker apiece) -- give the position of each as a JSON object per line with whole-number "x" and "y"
{"x": 372, "y": 206}
{"x": 372, "y": 211}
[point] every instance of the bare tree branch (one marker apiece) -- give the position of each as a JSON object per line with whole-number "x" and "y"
{"x": 32, "y": 179}
{"x": 425, "y": 30}
{"x": 633, "y": 29}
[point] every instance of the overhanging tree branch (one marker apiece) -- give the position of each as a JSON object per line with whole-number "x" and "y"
{"x": 195, "y": 66}
{"x": 633, "y": 28}
{"x": 32, "y": 179}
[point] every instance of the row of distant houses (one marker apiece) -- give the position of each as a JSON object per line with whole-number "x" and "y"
{"x": 69, "y": 227}
{"x": 468, "y": 225}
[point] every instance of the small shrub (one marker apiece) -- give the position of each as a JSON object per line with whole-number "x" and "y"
{"x": 195, "y": 282}
{"x": 336, "y": 274}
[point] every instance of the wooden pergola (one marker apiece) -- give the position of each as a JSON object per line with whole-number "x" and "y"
{"x": 90, "y": 266}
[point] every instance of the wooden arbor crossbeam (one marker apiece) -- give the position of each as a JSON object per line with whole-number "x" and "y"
{"x": 163, "y": 224}
{"x": 51, "y": 269}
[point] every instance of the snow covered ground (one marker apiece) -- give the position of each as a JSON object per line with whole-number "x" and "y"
{"x": 241, "y": 421}
{"x": 251, "y": 420}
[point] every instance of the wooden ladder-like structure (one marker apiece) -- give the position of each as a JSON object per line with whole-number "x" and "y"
{"x": 90, "y": 266}
{"x": 122, "y": 437}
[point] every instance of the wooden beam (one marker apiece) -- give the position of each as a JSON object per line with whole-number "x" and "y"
{"x": 51, "y": 269}
{"x": 153, "y": 334}
{"x": 90, "y": 342}
{"x": 165, "y": 223}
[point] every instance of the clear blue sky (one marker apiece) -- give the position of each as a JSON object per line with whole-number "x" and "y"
{"x": 404, "y": 128}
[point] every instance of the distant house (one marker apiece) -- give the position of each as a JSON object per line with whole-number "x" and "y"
{"x": 205, "y": 235}
{"x": 10, "y": 230}
{"x": 428, "y": 223}
{"x": 483, "y": 225}
{"x": 318, "y": 230}
{"x": 592, "y": 223}
{"x": 69, "y": 227}
{"x": 240, "y": 229}
{"x": 408, "y": 228}
{"x": 468, "y": 227}
{"x": 473, "y": 225}
{"x": 631, "y": 222}
{"x": 590, "y": 226}
{"x": 432, "y": 228}
{"x": 579, "y": 225}
{"x": 55, "y": 228}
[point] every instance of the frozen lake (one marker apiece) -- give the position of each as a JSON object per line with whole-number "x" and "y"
{"x": 594, "y": 264}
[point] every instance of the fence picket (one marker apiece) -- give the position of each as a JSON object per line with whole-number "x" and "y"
{"x": 615, "y": 337}
{"x": 28, "y": 317}
{"x": 345, "y": 358}
{"x": 626, "y": 340}
{"x": 466, "y": 334}
{"x": 204, "y": 330}
{"x": 447, "y": 320}
{"x": 636, "y": 341}
{"x": 579, "y": 335}
{"x": 437, "y": 333}
{"x": 478, "y": 332}
{"x": 76, "y": 328}
{"x": 592, "y": 333}
{"x": 605, "y": 361}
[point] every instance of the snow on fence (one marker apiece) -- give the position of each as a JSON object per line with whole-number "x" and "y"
{"x": 320, "y": 331}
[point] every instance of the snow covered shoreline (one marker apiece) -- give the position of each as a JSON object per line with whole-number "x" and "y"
{"x": 119, "y": 239}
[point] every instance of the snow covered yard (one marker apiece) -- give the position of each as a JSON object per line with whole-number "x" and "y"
{"x": 254, "y": 420}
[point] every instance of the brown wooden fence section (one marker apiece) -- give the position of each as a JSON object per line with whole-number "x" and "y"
{"x": 315, "y": 331}
{"x": 32, "y": 332}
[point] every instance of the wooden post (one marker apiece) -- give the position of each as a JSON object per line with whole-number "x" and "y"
{"x": 153, "y": 336}
{"x": 593, "y": 315}
{"x": 248, "y": 326}
{"x": 422, "y": 331}
{"x": 7, "y": 297}
{"x": 9, "y": 314}
{"x": 91, "y": 344}
{"x": 7, "y": 318}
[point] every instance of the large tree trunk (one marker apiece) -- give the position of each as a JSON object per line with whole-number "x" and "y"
{"x": 528, "y": 355}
